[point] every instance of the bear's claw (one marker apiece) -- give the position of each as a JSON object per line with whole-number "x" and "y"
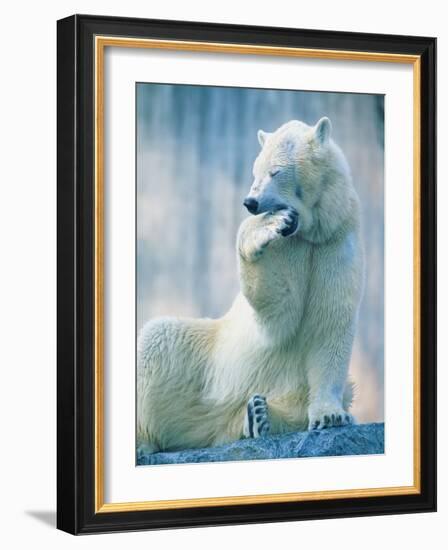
{"x": 290, "y": 222}
{"x": 322, "y": 421}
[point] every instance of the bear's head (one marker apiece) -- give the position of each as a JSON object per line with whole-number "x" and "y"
{"x": 301, "y": 168}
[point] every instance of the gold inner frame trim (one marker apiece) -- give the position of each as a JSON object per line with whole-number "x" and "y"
{"x": 101, "y": 42}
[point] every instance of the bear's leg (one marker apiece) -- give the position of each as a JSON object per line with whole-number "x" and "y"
{"x": 171, "y": 357}
{"x": 256, "y": 422}
{"x": 330, "y": 394}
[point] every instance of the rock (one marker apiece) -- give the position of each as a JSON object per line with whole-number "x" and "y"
{"x": 360, "y": 439}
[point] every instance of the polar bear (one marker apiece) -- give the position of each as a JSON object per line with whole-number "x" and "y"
{"x": 278, "y": 360}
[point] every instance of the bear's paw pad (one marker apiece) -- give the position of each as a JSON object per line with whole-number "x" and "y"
{"x": 256, "y": 423}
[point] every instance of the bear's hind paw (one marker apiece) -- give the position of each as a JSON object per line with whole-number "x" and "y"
{"x": 256, "y": 422}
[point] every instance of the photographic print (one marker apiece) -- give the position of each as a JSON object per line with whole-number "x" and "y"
{"x": 246, "y": 274}
{"x": 259, "y": 273}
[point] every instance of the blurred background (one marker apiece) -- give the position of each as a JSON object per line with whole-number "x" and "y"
{"x": 195, "y": 150}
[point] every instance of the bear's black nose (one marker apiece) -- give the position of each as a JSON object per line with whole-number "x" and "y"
{"x": 251, "y": 204}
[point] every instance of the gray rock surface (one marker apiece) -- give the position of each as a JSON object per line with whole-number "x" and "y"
{"x": 360, "y": 439}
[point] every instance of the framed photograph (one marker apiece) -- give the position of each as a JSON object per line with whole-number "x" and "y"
{"x": 246, "y": 274}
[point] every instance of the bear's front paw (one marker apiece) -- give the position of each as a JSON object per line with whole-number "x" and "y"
{"x": 256, "y": 422}
{"x": 288, "y": 222}
{"x": 321, "y": 417}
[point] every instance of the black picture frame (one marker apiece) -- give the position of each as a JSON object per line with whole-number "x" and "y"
{"x": 76, "y": 512}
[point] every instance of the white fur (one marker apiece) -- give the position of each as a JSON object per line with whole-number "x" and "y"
{"x": 288, "y": 335}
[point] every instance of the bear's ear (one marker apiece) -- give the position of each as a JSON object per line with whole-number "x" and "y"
{"x": 322, "y": 130}
{"x": 262, "y": 135}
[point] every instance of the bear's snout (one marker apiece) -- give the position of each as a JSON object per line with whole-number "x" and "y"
{"x": 251, "y": 204}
